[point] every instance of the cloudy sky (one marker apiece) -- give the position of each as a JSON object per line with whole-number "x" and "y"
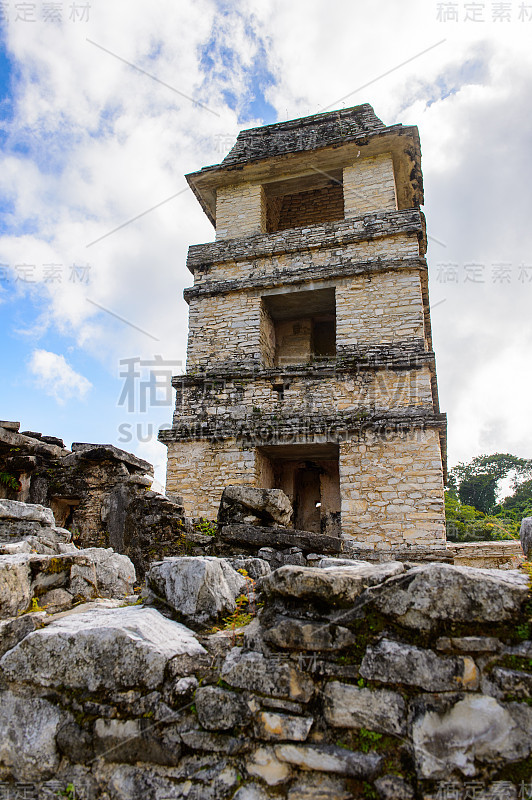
{"x": 107, "y": 104}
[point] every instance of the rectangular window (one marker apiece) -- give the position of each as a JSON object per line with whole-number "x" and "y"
{"x": 308, "y": 200}
{"x": 298, "y": 327}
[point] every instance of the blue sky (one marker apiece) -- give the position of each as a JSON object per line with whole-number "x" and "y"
{"x": 89, "y": 142}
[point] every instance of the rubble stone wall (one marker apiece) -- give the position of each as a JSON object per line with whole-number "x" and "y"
{"x": 308, "y": 207}
{"x": 381, "y": 308}
{"x": 354, "y": 681}
{"x": 392, "y": 489}
{"x": 388, "y": 245}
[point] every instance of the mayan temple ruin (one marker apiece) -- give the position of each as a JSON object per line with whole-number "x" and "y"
{"x": 310, "y": 365}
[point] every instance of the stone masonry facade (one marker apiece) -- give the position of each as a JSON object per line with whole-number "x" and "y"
{"x": 310, "y": 365}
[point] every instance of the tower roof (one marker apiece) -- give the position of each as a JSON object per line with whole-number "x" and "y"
{"x": 305, "y": 133}
{"x": 321, "y": 142}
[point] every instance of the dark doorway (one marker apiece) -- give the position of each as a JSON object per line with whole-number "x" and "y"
{"x": 307, "y": 499}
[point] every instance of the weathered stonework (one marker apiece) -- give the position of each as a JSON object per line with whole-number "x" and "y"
{"x": 310, "y": 366}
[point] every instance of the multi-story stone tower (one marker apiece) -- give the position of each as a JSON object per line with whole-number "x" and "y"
{"x": 310, "y": 364}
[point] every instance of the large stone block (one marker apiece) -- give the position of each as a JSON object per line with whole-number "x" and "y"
{"x": 101, "y": 649}
{"x": 272, "y": 726}
{"x": 395, "y": 662}
{"x": 200, "y": 589}
{"x": 298, "y": 634}
{"x": 347, "y": 706}
{"x": 15, "y": 510}
{"x": 27, "y": 744}
{"x": 15, "y": 584}
{"x": 329, "y": 758}
{"x": 245, "y": 504}
{"x": 219, "y": 709}
{"x": 475, "y": 729}
{"x": 334, "y": 585}
{"x": 254, "y": 537}
{"x": 436, "y": 593}
{"x": 271, "y": 677}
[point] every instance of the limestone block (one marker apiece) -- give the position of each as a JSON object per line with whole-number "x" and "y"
{"x": 135, "y": 740}
{"x": 319, "y": 786}
{"x": 476, "y": 728}
{"x": 219, "y": 709}
{"x": 255, "y": 567}
{"x": 252, "y": 506}
{"x": 392, "y": 787}
{"x": 335, "y": 585}
{"x": 348, "y": 706}
{"x": 101, "y": 648}
{"x": 512, "y": 682}
{"x": 298, "y": 634}
{"x": 395, "y": 662}
{"x": 200, "y": 589}
{"x": 12, "y": 631}
{"x": 251, "y": 791}
{"x": 276, "y": 678}
{"x": 27, "y": 745}
{"x": 263, "y": 763}
{"x": 525, "y": 535}
{"x": 15, "y": 510}
{"x": 271, "y": 726}
{"x": 115, "y": 572}
{"x": 436, "y": 592}
{"x": 15, "y": 584}
{"x": 329, "y": 758}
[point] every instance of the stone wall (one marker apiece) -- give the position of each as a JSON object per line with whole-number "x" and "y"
{"x": 369, "y": 185}
{"x": 240, "y": 211}
{"x": 305, "y": 392}
{"x": 392, "y": 489}
{"x": 100, "y": 493}
{"x": 354, "y": 681}
{"x": 386, "y": 307}
{"x": 306, "y": 208}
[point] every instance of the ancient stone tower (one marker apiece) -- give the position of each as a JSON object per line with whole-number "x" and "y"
{"x": 310, "y": 365}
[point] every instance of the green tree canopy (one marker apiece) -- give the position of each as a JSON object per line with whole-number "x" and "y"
{"x": 477, "y": 481}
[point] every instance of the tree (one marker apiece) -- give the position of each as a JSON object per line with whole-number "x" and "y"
{"x": 478, "y": 480}
{"x": 471, "y": 511}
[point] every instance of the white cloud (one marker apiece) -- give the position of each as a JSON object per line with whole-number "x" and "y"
{"x": 102, "y": 143}
{"x": 57, "y": 378}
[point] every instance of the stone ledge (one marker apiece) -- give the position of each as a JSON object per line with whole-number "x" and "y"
{"x": 287, "y": 277}
{"x": 268, "y": 429}
{"x": 255, "y": 538}
{"x": 295, "y": 240}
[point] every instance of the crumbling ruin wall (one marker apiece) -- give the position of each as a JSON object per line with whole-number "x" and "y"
{"x": 353, "y": 680}
{"x": 100, "y": 493}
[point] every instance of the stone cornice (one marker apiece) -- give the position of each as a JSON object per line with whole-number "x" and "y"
{"x": 342, "y": 268}
{"x": 296, "y": 240}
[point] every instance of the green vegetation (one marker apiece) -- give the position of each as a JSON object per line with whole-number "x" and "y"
{"x": 206, "y": 527}
{"x": 368, "y": 739}
{"x": 8, "y": 480}
{"x": 471, "y": 509}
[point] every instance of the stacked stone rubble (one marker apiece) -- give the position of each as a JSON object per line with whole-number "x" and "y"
{"x": 353, "y": 681}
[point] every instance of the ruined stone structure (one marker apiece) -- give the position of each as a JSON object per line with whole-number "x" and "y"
{"x": 310, "y": 365}
{"x": 343, "y": 681}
